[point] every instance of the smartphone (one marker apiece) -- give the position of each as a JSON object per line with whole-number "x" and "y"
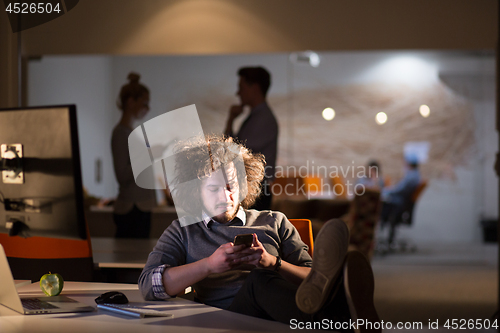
{"x": 246, "y": 239}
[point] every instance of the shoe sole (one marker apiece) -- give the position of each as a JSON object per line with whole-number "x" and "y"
{"x": 330, "y": 248}
{"x": 359, "y": 288}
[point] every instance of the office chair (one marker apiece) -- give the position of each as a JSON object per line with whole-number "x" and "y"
{"x": 313, "y": 185}
{"x": 401, "y": 216}
{"x": 304, "y": 227}
{"x": 338, "y": 186}
{"x": 30, "y": 258}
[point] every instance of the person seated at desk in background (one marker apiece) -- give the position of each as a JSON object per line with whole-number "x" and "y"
{"x": 261, "y": 280}
{"x": 395, "y": 197}
{"x": 373, "y": 177}
{"x": 132, "y": 208}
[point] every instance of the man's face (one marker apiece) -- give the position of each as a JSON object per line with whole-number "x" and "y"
{"x": 220, "y": 198}
{"x": 245, "y": 91}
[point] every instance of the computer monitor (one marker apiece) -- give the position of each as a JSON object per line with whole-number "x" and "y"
{"x": 41, "y": 190}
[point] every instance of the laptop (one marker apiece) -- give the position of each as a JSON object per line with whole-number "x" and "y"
{"x": 33, "y": 305}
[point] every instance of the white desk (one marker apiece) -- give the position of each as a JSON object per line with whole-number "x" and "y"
{"x": 188, "y": 316}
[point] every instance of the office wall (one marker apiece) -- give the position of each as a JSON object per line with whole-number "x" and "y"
{"x": 161, "y": 27}
{"x": 86, "y": 82}
{"x": 449, "y": 210}
{"x": 255, "y": 26}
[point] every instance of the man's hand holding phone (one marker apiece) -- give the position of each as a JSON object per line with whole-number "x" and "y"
{"x": 224, "y": 258}
{"x": 246, "y": 239}
{"x": 255, "y": 254}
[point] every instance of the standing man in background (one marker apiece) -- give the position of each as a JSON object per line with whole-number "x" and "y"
{"x": 259, "y": 132}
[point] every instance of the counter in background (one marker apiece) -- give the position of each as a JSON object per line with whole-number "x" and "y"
{"x": 100, "y": 221}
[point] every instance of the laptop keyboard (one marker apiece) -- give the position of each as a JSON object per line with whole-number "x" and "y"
{"x": 36, "y": 304}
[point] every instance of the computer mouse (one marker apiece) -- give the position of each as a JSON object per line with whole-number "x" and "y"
{"x": 113, "y": 297}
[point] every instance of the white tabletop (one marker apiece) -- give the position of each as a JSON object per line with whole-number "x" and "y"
{"x": 188, "y": 316}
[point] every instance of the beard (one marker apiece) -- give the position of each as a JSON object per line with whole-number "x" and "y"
{"x": 226, "y": 216}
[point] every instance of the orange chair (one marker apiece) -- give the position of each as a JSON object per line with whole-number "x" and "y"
{"x": 406, "y": 215}
{"x": 30, "y": 258}
{"x": 338, "y": 187}
{"x": 313, "y": 184}
{"x": 387, "y": 181}
{"x": 403, "y": 217}
{"x": 283, "y": 187}
{"x": 418, "y": 191}
{"x": 304, "y": 227}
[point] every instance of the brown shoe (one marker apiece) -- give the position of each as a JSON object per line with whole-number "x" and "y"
{"x": 330, "y": 248}
{"x": 359, "y": 288}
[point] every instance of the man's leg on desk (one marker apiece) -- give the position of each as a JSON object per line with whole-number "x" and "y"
{"x": 266, "y": 294}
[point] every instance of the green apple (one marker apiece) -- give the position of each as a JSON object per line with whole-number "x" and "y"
{"x": 51, "y": 284}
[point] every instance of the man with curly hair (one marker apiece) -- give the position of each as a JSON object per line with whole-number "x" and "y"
{"x": 274, "y": 278}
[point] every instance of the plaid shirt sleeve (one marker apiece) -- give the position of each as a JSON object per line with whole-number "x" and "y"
{"x": 158, "y": 289}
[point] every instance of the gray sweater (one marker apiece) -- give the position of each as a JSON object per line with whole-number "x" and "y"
{"x": 183, "y": 245}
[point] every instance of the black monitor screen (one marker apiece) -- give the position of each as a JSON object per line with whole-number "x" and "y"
{"x": 41, "y": 186}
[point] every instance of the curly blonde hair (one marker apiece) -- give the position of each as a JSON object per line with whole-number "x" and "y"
{"x": 191, "y": 163}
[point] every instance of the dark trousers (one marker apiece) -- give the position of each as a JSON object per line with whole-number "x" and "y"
{"x": 134, "y": 224}
{"x": 266, "y": 294}
{"x": 390, "y": 215}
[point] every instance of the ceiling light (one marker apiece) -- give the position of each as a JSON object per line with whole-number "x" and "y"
{"x": 381, "y": 118}
{"x": 425, "y": 111}
{"x": 328, "y": 114}
{"x": 411, "y": 70}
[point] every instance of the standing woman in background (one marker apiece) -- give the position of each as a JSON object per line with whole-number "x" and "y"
{"x": 132, "y": 209}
